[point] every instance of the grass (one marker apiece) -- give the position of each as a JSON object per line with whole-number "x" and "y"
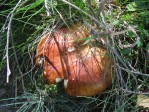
{"x": 24, "y": 22}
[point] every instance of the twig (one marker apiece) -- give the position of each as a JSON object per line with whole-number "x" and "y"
{"x": 47, "y": 8}
{"x": 135, "y": 43}
{"x": 60, "y": 15}
{"x": 3, "y": 3}
{"x": 135, "y": 72}
{"x": 18, "y": 65}
{"x": 95, "y": 20}
{"x": 9, "y": 17}
{"x": 121, "y": 60}
{"x": 105, "y": 33}
{"x": 7, "y": 47}
{"x": 101, "y": 7}
{"x": 120, "y": 32}
{"x": 0, "y": 38}
{"x": 135, "y": 92}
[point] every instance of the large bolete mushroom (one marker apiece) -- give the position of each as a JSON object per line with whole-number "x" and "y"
{"x": 85, "y": 70}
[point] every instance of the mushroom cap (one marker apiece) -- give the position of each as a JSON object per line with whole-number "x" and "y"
{"x": 86, "y": 70}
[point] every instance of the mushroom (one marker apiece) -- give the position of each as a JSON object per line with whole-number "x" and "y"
{"x": 85, "y": 70}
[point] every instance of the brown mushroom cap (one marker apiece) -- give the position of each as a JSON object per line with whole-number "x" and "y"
{"x": 86, "y": 70}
